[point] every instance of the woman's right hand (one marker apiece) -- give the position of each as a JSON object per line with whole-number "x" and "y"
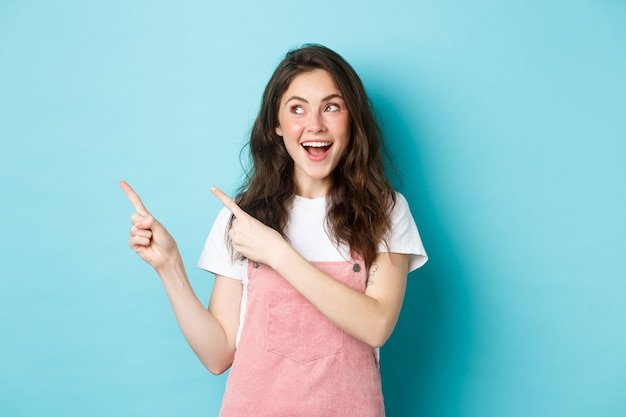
{"x": 147, "y": 236}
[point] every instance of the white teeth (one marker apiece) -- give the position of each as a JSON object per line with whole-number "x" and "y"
{"x": 316, "y": 144}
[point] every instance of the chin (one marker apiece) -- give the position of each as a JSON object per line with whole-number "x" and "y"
{"x": 320, "y": 176}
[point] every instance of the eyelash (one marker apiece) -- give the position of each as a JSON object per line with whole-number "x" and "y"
{"x": 297, "y": 108}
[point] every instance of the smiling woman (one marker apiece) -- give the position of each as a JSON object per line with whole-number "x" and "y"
{"x": 294, "y": 312}
{"x": 314, "y": 123}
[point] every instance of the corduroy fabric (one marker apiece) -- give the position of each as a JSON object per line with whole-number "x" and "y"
{"x": 291, "y": 361}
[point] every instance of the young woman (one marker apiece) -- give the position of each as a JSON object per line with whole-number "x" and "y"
{"x": 310, "y": 259}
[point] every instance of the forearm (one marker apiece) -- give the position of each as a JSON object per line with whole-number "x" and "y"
{"x": 201, "y": 329}
{"x": 368, "y": 318}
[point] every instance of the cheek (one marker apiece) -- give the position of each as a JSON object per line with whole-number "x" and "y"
{"x": 292, "y": 129}
{"x": 344, "y": 128}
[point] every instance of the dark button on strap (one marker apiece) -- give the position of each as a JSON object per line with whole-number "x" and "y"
{"x": 356, "y": 267}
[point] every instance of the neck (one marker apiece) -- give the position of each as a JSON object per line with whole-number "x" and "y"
{"x": 313, "y": 188}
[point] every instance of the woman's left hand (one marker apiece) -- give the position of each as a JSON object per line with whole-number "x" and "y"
{"x": 250, "y": 237}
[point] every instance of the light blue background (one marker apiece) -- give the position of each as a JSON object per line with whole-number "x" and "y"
{"x": 507, "y": 121}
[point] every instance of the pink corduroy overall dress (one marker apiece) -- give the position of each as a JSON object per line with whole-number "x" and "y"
{"x": 291, "y": 361}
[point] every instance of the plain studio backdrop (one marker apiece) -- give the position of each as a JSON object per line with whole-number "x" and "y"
{"x": 507, "y": 120}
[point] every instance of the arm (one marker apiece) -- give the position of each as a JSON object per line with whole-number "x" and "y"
{"x": 210, "y": 333}
{"x": 369, "y": 317}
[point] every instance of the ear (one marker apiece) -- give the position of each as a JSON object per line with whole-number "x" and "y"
{"x": 279, "y": 131}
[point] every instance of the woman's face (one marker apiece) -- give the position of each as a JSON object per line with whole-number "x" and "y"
{"x": 314, "y": 123}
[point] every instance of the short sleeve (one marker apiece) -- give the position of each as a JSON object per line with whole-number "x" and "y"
{"x": 215, "y": 256}
{"x": 404, "y": 237}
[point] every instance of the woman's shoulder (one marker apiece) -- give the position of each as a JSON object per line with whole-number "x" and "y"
{"x": 401, "y": 205}
{"x": 400, "y": 198}
{"x": 404, "y": 236}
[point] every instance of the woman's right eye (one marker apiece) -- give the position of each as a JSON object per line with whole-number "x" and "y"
{"x": 297, "y": 109}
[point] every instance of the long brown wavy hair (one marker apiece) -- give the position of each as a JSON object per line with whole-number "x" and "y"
{"x": 361, "y": 196}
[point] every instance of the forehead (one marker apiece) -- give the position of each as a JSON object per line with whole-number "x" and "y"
{"x": 314, "y": 83}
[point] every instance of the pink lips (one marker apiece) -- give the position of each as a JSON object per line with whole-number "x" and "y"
{"x": 316, "y": 150}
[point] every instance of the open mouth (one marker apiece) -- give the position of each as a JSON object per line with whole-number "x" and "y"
{"x": 317, "y": 148}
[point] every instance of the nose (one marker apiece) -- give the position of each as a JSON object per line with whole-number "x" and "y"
{"x": 315, "y": 123}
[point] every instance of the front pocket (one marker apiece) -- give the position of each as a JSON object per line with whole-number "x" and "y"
{"x": 297, "y": 330}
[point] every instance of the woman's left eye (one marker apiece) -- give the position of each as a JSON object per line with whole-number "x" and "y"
{"x": 332, "y": 107}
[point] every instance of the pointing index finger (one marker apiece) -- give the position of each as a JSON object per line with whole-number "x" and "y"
{"x": 228, "y": 202}
{"x": 134, "y": 198}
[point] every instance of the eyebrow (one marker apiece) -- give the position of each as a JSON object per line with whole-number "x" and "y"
{"x": 327, "y": 98}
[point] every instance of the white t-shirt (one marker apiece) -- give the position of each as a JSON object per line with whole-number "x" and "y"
{"x": 307, "y": 234}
